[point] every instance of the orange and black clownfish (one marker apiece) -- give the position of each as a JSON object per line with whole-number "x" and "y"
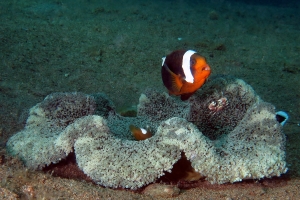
{"x": 184, "y": 72}
{"x": 140, "y": 133}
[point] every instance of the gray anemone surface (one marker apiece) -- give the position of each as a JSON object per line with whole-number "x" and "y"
{"x": 225, "y": 130}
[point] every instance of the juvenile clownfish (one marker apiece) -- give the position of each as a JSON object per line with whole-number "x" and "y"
{"x": 140, "y": 133}
{"x": 184, "y": 72}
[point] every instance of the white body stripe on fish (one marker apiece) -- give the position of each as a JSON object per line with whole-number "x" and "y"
{"x": 186, "y": 66}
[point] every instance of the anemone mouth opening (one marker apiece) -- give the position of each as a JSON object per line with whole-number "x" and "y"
{"x": 218, "y": 115}
{"x": 220, "y": 105}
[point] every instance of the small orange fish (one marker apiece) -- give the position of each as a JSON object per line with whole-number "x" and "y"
{"x": 184, "y": 72}
{"x": 140, "y": 133}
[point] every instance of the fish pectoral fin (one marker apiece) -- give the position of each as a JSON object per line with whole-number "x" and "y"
{"x": 175, "y": 79}
{"x": 177, "y": 83}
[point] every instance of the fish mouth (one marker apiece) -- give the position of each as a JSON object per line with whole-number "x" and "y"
{"x": 206, "y": 68}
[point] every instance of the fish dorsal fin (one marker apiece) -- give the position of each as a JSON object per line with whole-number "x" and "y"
{"x": 175, "y": 79}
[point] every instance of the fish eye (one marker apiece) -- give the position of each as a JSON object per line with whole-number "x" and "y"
{"x": 193, "y": 62}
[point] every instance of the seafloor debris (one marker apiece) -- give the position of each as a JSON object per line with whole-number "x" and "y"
{"x": 240, "y": 139}
{"x": 160, "y": 190}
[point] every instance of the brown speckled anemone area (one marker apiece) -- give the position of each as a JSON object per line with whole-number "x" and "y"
{"x": 236, "y": 139}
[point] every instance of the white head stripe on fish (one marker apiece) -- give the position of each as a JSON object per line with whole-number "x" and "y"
{"x": 186, "y": 66}
{"x": 144, "y": 131}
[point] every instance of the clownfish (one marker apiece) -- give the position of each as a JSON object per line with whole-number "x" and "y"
{"x": 140, "y": 133}
{"x": 184, "y": 72}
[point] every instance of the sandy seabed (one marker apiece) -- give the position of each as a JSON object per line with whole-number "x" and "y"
{"x": 19, "y": 183}
{"x": 116, "y": 48}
